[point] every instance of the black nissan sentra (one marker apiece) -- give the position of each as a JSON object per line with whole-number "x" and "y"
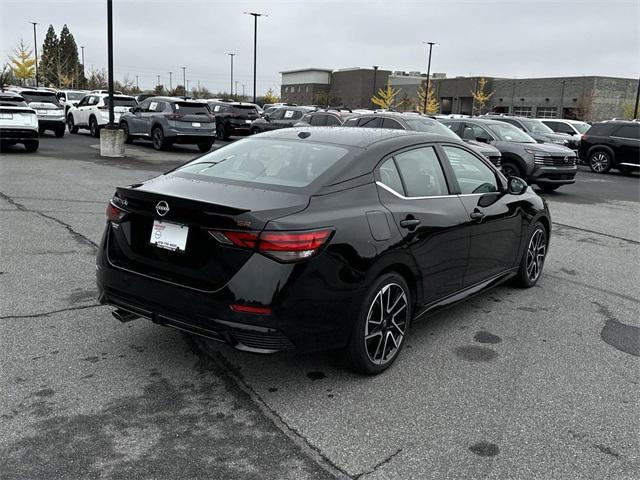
{"x": 319, "y": 238}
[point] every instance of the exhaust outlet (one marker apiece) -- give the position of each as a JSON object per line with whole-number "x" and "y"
{"x": 124, "y": 315}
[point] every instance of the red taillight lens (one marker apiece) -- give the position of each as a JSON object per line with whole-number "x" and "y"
{"x": 583, "y": 137}
{"x": 114, "y": 213}
{"x": 241, "y": 239}
{"x": 249, "y": 309}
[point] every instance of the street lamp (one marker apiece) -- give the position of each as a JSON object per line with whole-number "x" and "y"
{"x": 170, "y": 81}
{"x": 635, "y": 109}
{"x": 231, "y": 55}
{"x": 184, "y": 81}
{"x": 255, "y": 46}
{"x": 426, "y": 92}
{"x": 375, "y": 74}
{"x": 83, "y": 69}
{"x": 35, "y": 46}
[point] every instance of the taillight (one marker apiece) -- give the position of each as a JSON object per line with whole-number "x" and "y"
{"x": 250, "y": 309}
{"x": 584, "y": 137}
{"x": 282, "y": 246}
{"x": 114, "y": 213}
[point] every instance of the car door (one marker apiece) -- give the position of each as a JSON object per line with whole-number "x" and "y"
{"x": 80, "y": 115}
{"x": 495, "y": 216}
{"x": 274, "y": 120}
{"x": 627, "y": 139}
{"x": 432, "y": 219}
{"x": 289, "y": 118}
{"x": 134, "y": 119}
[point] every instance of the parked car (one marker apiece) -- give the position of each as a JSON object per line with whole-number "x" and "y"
{"x": 325, "y": 118}
{"x": 279, "y": 104}
{"x": 169, "y": 120}
{"x": 281, "y": 117}
{"x": 18, "y": 122}
{"x": 49, "y": 111}
{"x": 143, "y": 96}
{"x": 574, "y": 128}
{"x": 67, "y": 98}
{"x": 535, "y": 128}
{"x": 92, "y": 112}
{"x": 612, "y": 144}
{"x": 350, "y": 234}
{"x": 543, "y": 164}
{"x": 418, "y": 123}
{"x": 115, "y": 92}
{"x": 233, "y": 118}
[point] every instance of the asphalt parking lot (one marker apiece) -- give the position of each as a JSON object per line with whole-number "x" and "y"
{"x": 514, "y": 384}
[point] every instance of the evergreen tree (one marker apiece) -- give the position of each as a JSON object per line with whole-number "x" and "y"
{"x": 68, "y": 55}
{"x": 48, "y": 65}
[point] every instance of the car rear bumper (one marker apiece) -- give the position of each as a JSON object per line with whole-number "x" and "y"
{"x": 49, "y": 122}
{"x": 18, "y": 134}
{"x": 177, "y": 136}
{"x": 549, "y": 175}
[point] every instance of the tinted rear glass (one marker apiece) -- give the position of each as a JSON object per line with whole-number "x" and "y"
{"x": 11, "y": 101}
{"x": 600, "y": 129}
{"x": 430, "y": 126}
{"x": 45, "y": 97}
{"x": 268, "y": 162}
{"x": 121, "y": 102}
{"x": 188, "y": 108}
{"x": 244, "y": 110}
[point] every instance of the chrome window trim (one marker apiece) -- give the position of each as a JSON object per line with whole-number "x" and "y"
{"x": 399, "y": 195}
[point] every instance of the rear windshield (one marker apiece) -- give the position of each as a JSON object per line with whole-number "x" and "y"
{"x": 188, "y": 108}
{"x": 44, "y": 97}
{"x": 244, "y": 109}
{"x": 75, "y": 95}
{"x": 121, "y": 101}
{"x": 268, "y": 162}
{"x": 430, "y": 126}
{"x": 11, "y": 101}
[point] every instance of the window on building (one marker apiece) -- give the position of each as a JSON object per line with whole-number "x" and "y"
{"x": 546, "y": 112}
{"x": 521, "y": 111}
{"x": 306, "y": 89}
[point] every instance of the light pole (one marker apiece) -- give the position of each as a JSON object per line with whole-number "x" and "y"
{"x": 426, "y": 92}
{"x": 375, "y": 74}
{"x": 35, "y": 47}
{"x": 243, "y": 91}
{"x": 255, "y": 46}
{"x": 231, "y": 55}
{"x": 137, "y": 86}
{"x": 184, "y": 81}
{"x": 236, "y": 90}
{"x": 158, "y": 79}
{"x": 110, "y": 60}
{"x": 83, "y": 70}
{"x": 170, "y": 82}
{"x": 635, "y": 109}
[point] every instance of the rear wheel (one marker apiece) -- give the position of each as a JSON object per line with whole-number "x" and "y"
{"x": 511, "y": 170}
{"x": 127, "y": 138}
{"x": 221, "y": 132}
{"x": 533, "y": 259}
{"x": 383, "y": 322}
{"x": 31, "y": 145}
{"x": 71, "y": 125}
{"x": 93, "y": 127}
{"x": 41, "y": 130}
{"x": 60, "y": 131}
{"x": 159, "y": 142}
{"x": 205, "y": 147}
{"x": 600, "y": 161}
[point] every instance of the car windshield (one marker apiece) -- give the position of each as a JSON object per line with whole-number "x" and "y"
{"x": 581, "y": 126}
{"x": 508, "y": 133}
{"x": 121, "y": 101}
{"x": 430, "y": 126}
{"x": 43, "y": 97}
{"x": 190, "y": 108}
{"x": 536, "y": 126}
{"x": 268, "y": 162}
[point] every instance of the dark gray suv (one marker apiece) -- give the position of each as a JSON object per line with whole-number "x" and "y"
{"x": 537, "y": 130}
{"x": 169, "y": 120}
{"x": 545, "y": 165}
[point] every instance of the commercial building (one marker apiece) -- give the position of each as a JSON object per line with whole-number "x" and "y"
{"x": 590, "y": 98}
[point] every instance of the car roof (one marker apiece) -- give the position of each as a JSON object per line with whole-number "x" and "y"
{"x": 482, "y": 121}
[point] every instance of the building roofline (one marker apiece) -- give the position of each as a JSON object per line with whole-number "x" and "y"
{"x": 328, "y": 70}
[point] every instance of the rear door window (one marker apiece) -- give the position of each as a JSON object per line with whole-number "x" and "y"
{"x": 370, "y": 122}
{"x": 391, "y": 123}
{"x": 421, "y": 173}
{"x": 390, "y": 177}
{"x": 332, "y": 121}
{"x": 628, "y": 131}
{"x": 319, "y": 120}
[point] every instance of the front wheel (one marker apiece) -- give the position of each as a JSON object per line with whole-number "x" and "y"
{"x": 549, "y": 188}
{"x": 205, "y": 147}
{"x": 59, "y": 132}
{"x": 600, "y": 161}
{"x": 31, "y": 145}
{"x": 71, "y": 125}
{"x": 383, "y": 322}
{"x": 127, "y": 137}
{"x": 511, "y": 170}
{"x": 221, "y": 133}
{"x": 159, "y": 142}
{"x": 93, "y": 127}
{"x": 533, "y": 259}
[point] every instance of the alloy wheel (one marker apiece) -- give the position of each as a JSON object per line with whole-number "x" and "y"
{"x": 599, "y": 162}
{"x": 509, "y": 171}
{"x": 387, "y": 321}
{"x": 157, "y": 139}
{"x": 536, "y": 252}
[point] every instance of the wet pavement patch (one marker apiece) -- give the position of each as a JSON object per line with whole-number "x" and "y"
{"x": 46, "y": 392}
{"x": 485, "y": 449}
{"x": 485, "y": 337}
{"x": 473, "y": 353}
{"x": 316, "y": 375}
{"x": 625, "y": 338}
{"x": 92, "y": 359}
{"x": 272, "y": 389}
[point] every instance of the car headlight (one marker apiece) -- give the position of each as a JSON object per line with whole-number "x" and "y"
{"x": 559, "y": 141}
{"x": 539, "y": 158}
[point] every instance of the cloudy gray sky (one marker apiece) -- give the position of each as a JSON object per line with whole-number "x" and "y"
{"x": 507, "y": 38}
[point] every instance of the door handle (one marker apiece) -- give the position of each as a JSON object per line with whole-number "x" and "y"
{"x": 477, "y": 215}
{"x": 409, "y": 223}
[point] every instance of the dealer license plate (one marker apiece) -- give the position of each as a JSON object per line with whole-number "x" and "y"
{"x": 195, "y": 124}
{"x": 169, "y": 236}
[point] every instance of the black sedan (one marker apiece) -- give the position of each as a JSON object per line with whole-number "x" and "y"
{"x": 322, "y": 238}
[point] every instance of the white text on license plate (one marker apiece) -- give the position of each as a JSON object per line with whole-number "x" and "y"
{"x": 170, "y": 236}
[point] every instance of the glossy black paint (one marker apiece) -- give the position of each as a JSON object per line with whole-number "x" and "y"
{"x": 314, "y": 302}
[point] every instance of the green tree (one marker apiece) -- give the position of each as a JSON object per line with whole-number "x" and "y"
{"x": 385, "y": 98}
{"x": 481, "y": 97}
{"x": 68, "y": 58}
{"x": 97, "y": 80}
{"x": 48, "y": 65}
{"x": 433, "y": 106}
{"x": 22, "y": 63}
{"x": 271, "y": 97}
{"x": 159, "y": 90}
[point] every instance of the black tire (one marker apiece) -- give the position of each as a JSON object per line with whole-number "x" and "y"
{"x": 31, "y": 145}
{"x": 127, "y": 138}
{"x": 71, "y": 124}
{"x": 221, "y": 132}
{"x": 255, "y": 131}
{"x": 93, "y": 127}
{"x": 600, "y": 161}
{"x": 510, "y": 169}
{"x": 381, "y": 339}
{"x": 59, "y": 132}
{"x": 548, "y": 188}
{"x": 537, "y": 243}
{"x": 41, "y": 131}
{"x": 159, "y": 142}
{"x": 205, "y": 147}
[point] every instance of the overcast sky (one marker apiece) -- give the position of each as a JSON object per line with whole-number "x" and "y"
{"x": 505, "y": 38}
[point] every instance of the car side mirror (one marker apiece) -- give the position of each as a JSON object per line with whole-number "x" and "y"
{"x": 482, "y": 139}
{"x": 516, "y": 186}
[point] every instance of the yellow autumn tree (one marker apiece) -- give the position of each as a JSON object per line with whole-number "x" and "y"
{"x": 433, "y": 106}
{"x": 22, "y": 63}
{"x": 481, "y": 97}
{"x": 271, "y": 97}
{"x": 385, "y": 98}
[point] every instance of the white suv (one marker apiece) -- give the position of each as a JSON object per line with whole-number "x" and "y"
{"x": 49, "y": 111}
{"x": 18, "y": 122}
{"x": 92, "y": 112}
{"x": 69, "y": 98}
